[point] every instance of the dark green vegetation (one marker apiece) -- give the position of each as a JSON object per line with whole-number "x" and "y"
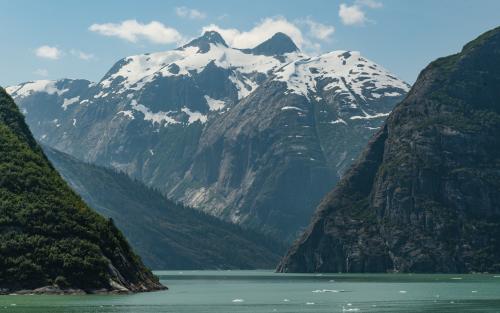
{"x": 425, "y": 194}
{"x": 48, "y": 236}
{"x": 165, "y": 234}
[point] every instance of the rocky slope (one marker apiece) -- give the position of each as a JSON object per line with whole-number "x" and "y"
{"x": 48, "y": 235}
{"x": 232, "y": 132}
{"x": 425, "y": 194}
{"x": 166, "y": 235}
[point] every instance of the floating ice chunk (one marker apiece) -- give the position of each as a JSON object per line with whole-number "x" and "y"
{"x": 403, "y": 291}
{"x": 349, "y": 308}
{"x": 327, "y": 290}
{"x": 238, "y": 300}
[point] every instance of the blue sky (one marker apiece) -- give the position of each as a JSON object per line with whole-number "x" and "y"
{"x": 82, "y": 39}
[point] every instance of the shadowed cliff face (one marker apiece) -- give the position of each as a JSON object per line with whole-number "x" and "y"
{"x": 165, "y": 234}
{"x": 425, "y": 194}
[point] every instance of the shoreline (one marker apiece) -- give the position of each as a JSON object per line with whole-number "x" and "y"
{"x": 56, "y": 291}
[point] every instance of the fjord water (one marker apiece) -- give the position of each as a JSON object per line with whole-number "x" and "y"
{"x": 265, "y": 291}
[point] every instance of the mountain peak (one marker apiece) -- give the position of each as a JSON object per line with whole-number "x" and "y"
{"x": 278, "y": 44}
{"x": 203, "y": 42}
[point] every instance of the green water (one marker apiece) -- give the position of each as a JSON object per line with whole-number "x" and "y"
{"x": 264, "y": 291}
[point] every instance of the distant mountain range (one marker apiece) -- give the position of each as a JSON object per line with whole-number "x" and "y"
{"x": 425, "y": 194}
{"x": 254, "y": 136}
{"x": 165, "y": 234}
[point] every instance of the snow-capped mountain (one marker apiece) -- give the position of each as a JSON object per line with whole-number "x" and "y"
{"x": 256, "y": 136}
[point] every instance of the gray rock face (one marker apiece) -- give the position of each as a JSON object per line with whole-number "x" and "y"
{"x": 255, "y": 136}
{"x": 425, "y": 194}
{"x": 277, "y": 45}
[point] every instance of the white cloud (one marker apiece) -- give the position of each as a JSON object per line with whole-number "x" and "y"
{"x": 372, "y": 4}
{"x": 48, "y": 52}
{"x": 352, "y": 15}
{"x": 190, "y": 13}
{"x": 132, "y": 31}
{"x": 82, "y": 55}
{"x": 41, "y": 72}
{"x": 261, "y": 32}
{"x": 305, "y": 33}
{"x": 318, "y": 30}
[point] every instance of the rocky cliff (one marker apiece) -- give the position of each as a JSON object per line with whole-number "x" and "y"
{"x": 425, "y": 194}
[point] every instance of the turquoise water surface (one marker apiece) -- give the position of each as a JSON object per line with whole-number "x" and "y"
{"x": 265, "y": 291}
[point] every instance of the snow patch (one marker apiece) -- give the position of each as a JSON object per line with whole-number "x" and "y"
{"x": 27, "y": 89}
{"x": 392, "y": 94}
{"x": 214, "y": 104}
{"x": 194, "y": 116}
{"x": 337, "y": 121}
{"x": 367, "y": 116}
{"x": 348, "y": 74}
{"x": 68, "y": 102}
{"x": 127, "y": 113}
{"x": 285, "y": 108}
{"x": 160, "y": 118}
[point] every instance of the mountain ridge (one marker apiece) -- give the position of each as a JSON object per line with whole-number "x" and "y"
{"x": 49, "y": 237}
{"x": 166, "y": 235}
